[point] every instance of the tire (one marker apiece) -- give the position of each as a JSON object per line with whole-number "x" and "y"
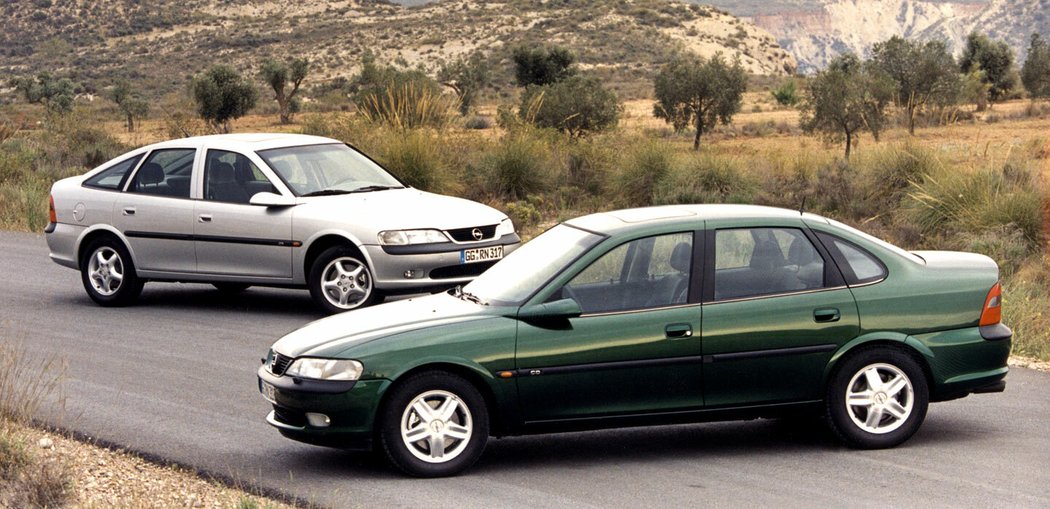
{"x": 108, "y": 274}
{"x": 400, "y": 421}
{"x": 231, "y": 288}
{"x": 340, "y": 271}
{"x": 885, "y": 417}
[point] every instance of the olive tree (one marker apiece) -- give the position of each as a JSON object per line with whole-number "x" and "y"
{"x": 280, "y": 76}
{"x": 130, "y": 103}
{"x": 577, "y": 106}
{"x": 1036, "y": 71}
{"x": 995, "y": 59}
{"x": 923, "y": 74}
{"x": 542, "y": 65}
{"x": 223, "y": 95}
{"x": 697, "y": 92}
{"x": 845, "y": 98}
{"x": 467, "y": 76}
{"x": 55, "y": 94}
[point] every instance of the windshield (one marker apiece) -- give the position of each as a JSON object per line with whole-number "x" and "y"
{"x": 522, "y": 272}
{"x": 327, "y": 169}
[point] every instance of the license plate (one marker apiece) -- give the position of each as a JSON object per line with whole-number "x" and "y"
{"x": 268, "y": 392}
{"x": 481, "y": 254}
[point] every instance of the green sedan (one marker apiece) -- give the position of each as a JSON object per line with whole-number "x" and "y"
{"x": 651, "y": 316}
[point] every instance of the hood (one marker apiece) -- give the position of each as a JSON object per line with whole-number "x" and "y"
{"x": 339, "y": 332}
{"x": 402, "y": 209}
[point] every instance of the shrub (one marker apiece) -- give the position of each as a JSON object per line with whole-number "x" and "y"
{"x": 577, "y": 106}
{"x": 523, "y": 213}
{"x": 786, "y": 94}
{"x": 406, "y": 106}
{"x": 519, "y": 166}
{"x": 648, "y": 163}
{"x": 708, "y": 179}
{"x": 415, "y": 157}
{"x": 478, "y": 122}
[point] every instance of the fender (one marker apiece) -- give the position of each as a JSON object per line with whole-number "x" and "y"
{"x": 875, "y": 337}
{"x": 97, "y": 227}
{"x": 299, "y": 269}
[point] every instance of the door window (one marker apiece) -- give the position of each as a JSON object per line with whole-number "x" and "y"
{"x": 751, "y": 262}
{"x": 233, "y": 178}
{"x": 165, "y": 173}
{"x": 645, "y": 273}
{"x": 858, "y": 266}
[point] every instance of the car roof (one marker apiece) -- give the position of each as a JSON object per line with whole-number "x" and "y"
{"x": 246, "y": 141}
{"x": 670, "y": 215}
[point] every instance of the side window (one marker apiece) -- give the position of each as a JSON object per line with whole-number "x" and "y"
{"x": 232, "y": 177}
{"x": 113, "y": 177}
{"x": 645, "y": 273}
{"x": 751, "y": 262}
{"x": 165, "y": 173}
{"x": 858, "y": 266}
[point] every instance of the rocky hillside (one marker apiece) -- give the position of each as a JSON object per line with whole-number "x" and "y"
{"x": 159, "y": 44}
{"x": 814, "y": 31}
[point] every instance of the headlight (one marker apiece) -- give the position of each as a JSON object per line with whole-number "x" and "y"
{"x": 325, "y": 369}
{"x": 506, "y": 227}
{"x": 406, "y": 237}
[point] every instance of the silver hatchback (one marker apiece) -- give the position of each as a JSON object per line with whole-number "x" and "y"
{"x": 271, "y": 210}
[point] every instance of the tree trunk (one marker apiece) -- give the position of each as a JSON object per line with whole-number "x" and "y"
{"x": 283, "y": 109}
{"x": 699, "y": 129}
{"x": 131, "y": 123}
{"x": 849, "y": 143}
{"x": 911, "y": 119}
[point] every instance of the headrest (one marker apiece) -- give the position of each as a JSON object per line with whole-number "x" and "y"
{"x": 243, "y": 172}
{"x": 221, "y": 173}
{"x": 681, "y": 256}
{"x": 767, "y": 255}
{"x": 151, "y": 173}
{"x": 800, "y": 252}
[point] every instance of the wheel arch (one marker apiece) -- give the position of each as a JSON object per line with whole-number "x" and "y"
{"x": 475, "y": 376}
{"x": 894, "y": 340}
{"x": 324, "y": 240}
{"x": 98, "y": 231}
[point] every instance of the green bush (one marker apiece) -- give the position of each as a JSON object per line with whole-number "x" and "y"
{"x": 415, "y": 157}
{"x": 786, "y": 94}
{"x": 647, "y": 164}
{"x": 578, "y": 105}
{"x": 519, "y": 166}
{"x": 708, "y": 179}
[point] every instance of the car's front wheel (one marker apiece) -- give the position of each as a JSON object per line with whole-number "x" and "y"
{"x": 877, "y": 398}
{"x": 341, "y": 281}
{"x": 435, "y": 424}
{"x": 108, "y": 274}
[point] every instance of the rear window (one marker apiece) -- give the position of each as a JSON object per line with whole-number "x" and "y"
{"x": 113, "y": 177}
{"x": 858, "y": 266}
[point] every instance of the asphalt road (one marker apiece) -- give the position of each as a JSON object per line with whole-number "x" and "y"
{"x": 174, "y": 378}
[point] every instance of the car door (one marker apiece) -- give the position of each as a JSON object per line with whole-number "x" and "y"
{"x": 635, "y": 349}
{"x": 234, "y": 237}
{"x": 775, "y": 310}
{"x": 155, "y": 212}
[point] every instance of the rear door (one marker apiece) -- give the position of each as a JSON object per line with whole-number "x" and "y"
{"x": 775, "y": 309}
{"x": 155, "y": 211}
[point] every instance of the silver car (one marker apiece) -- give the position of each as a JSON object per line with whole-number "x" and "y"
{"x": 266, "y": 209}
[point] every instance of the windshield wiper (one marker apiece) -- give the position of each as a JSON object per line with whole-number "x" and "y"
{"x": 327, "y": 192}
{"x": 367, "y": 189}
{"x": 459, "y": 293}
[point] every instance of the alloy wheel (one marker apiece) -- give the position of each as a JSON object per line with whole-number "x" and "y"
{"x": 346, "y": 283}
{"x": 436, "y": 426}
{"x": 105, "y": 270}
{"x": 879, "y": 398}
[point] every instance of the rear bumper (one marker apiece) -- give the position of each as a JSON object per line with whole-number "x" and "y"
{"x": 62, "y": 241}
{"x": 967, "y": 361}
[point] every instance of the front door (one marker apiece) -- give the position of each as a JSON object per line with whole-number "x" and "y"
{"x": 155, "y": 212}
{"x": 234, "y": 237}
{"x": 635, "y": 349}
{"x": 776, "y": 311}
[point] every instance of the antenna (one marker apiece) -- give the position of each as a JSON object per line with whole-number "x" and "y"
{"x": 802, "y": 208}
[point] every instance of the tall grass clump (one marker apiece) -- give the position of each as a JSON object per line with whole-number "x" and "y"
{"x": 518, "y": 166}
{"x": 886, "y": 176}
{"x": 647, "y": 164}
{"x": 26, "y": 383}
{"x": 707, "y": 179}
{"x": 589, "y": 162}
{"x": 1026, "y": 308}
{"x": 415, "y": 157}
{"x": 408, "y": 105}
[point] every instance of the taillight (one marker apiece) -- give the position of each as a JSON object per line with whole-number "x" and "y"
{"x": 992, "y": 313}
{"x": 51, "y": 215}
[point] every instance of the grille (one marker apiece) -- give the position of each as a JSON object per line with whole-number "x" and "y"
{"x": 467, "y": 270}
{"x": 280, "y": 364}
{"x": 467, "y": 234}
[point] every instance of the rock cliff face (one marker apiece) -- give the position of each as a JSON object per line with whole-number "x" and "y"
{"x": 816, "y": 31}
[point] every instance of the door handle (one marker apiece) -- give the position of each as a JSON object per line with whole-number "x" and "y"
{"x": 678, "y": 330}
{"x": 826, "y": 315}
{"x": 128, "y": 211}
{"x": 204, "y": 218}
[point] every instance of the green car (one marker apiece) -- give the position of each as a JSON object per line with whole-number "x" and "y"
{"x": 651, "y": 316}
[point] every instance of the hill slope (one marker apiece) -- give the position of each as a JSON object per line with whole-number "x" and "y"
{"x": 159, "y": 45}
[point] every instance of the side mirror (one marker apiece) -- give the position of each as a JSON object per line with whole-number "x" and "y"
{"x": 559, "y": 309}
{"x": 271, "y": 200}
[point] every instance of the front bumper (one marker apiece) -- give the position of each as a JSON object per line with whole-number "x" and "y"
{"x": 431, "y": 265}
{"x": 350, "y": 407}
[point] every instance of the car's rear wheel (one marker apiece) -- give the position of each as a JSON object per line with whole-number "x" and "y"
{"x": 341, "y": 281}
{"x": 108, "y": 274}
{"x": 877, "y": 398}
{"x": 231, "y": 288}
{"x": 435, "y": 424}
